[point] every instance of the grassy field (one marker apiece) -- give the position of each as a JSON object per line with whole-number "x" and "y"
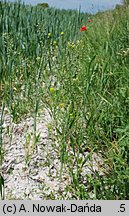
{"x": 82, "y": 78}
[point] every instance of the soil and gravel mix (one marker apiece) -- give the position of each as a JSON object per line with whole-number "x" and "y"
{"x": 31, "y": 167}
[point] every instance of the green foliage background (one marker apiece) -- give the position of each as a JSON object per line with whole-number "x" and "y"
{"x": 89, "y": 100}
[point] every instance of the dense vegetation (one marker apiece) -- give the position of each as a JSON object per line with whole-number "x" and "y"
{"x": 89, "y": 100}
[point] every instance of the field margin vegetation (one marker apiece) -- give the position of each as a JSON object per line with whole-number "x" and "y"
{"x": 81, "y": 78}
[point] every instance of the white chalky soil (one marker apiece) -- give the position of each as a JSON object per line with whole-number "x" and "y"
{"x": 32, "y": 171}
{"x": 30, "y": 177}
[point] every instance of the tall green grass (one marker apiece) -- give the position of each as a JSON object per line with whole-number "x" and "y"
{"x": 89, "y": 98}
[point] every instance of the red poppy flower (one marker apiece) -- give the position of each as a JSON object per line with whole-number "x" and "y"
{"x": 89, "y": 20}
{"x": 83, "y": 28}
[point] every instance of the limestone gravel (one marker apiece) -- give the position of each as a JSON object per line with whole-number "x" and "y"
{"x": 32, "y": 169}
{"x": 29, "y": 171}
